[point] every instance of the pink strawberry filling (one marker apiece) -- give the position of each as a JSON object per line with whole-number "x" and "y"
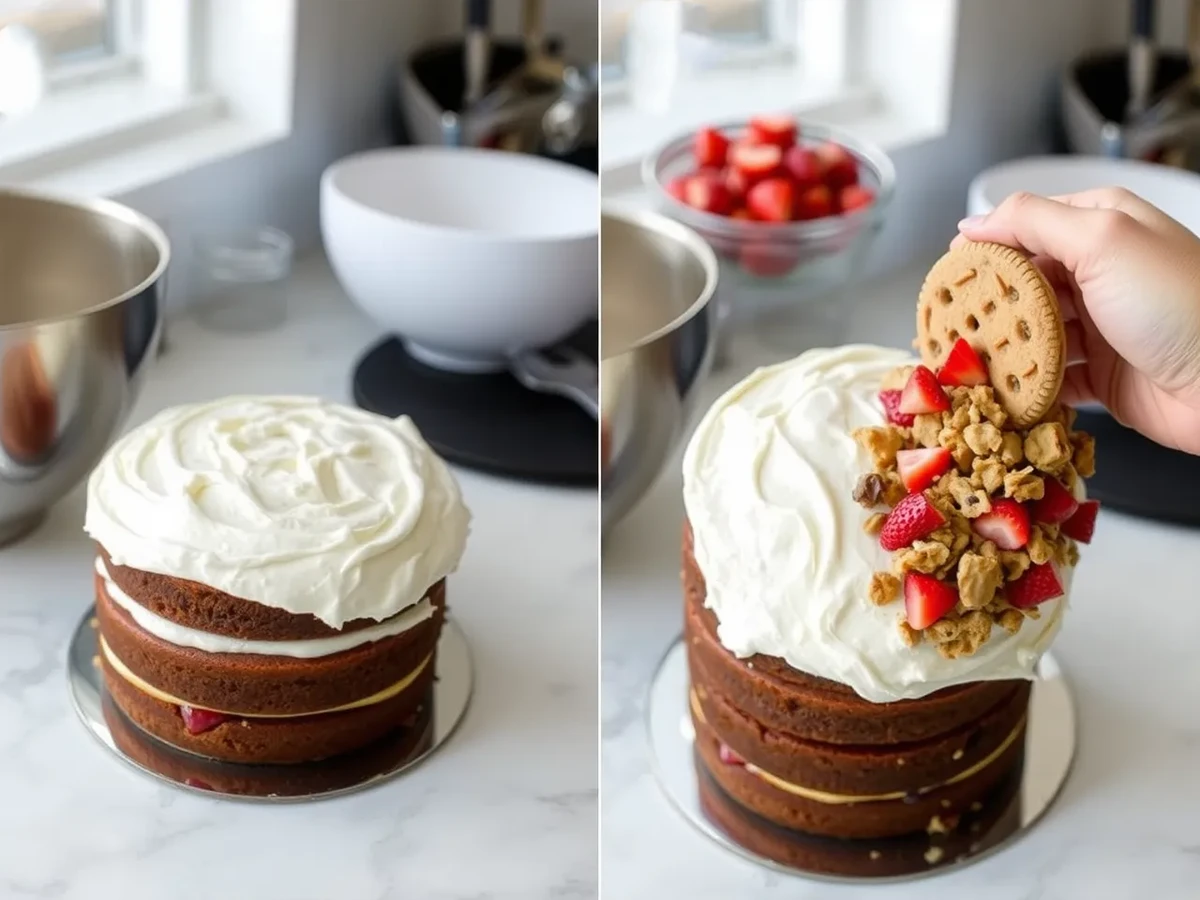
{"x": 726, "y": 755}
{"x": 198, "y": 721}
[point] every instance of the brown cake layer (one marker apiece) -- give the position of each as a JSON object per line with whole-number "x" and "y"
{"x": 985, "y": 824}
{"x": 204, "y": 608}
{"x": 866, "y": 768}
{"x": 413, "y": 737}
{"x": 277, "y": 741}
{"x": 813, "y": 708}
{"x": 914, "y": 812}
{"x": 256, "y": 684}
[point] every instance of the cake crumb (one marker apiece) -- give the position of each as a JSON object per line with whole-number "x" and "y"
{"x": 869, "y": 491}
{"x": 933, "y": 855}
{"x": 1047, "y": 447}
{"x": 925, "y": 429}
{"x": 96, "y": 661}
{"x": 945, "y": 804}
{"x": 875, "y": 854}
{"x": 882, "y": 442}
{"x": 1012, "y": 449}
{"x": 979, "y": 578}
{"x": 1023, "y": 484}
{"x": 958, "y": 754}
{"x": 910, "y": 635}
{"x": 1084, "y": 457}
{"x": 897, "y": 378}
{"x": 1010, "y": 620}
{"x": 990, "y": 472}
{"x": 93, "y": 622}
{"x": 885, "y": 587}
{"x": 972, "y": 502}
{"x": 983, "y": 439}
{"x": 874, "y": 523}
{"x": 1041, "y": 551}
{"x": 936, "y": 826}
{"x": 922, "y": 556}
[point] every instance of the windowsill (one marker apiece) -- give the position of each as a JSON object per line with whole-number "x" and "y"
{"x": 120, "y": 135}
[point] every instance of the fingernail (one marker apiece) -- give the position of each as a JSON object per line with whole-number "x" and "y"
{"x": 971, "y": 222}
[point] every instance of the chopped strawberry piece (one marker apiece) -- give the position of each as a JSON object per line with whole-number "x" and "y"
{"x": 1057, "y": 504}
{"x": 1006, "y": 525}
{"x": 726, "y": 754}
{"x": 771, "y": 200}
{"x": 891, "y": 408}
{"x": 778, "y": 130}
{"x": 926, "y": 599}
{"x": 803, "y": 166}
{"x": 768, "y": 259}
{"x": 855, "y": 196}
{"x": 1039, "y": 584}
{"x": 1082, "y": 525}
{"x": 922, "y": 467}
{"x": 922, "y": 394}
{"x": 677, "y": 188}
{"x": 839, "y": 168}
{"x": 755, "y": 161}
{"x": 710, "y": 147}
{"x": 198, "y": 721}
{"x": 913, "y": 518}
{"x": 742, "y": 214}
{"x": 963, "y": 367}
{"x": 737, "y": 183}
{"x": 814, "y": 203}
{"x": 707, "y": 192}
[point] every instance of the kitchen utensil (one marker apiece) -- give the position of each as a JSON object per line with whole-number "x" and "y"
{"x": 81, "y": 286}
{"x": 1133, "y": 474}
{"x": 560, "y": 371}
{"x": 1094, "y": 98}
{"x": 470, "y": 256}
{"x": 773, "y": 265}
{"x": 511, "y": 114}
{"x": 658, "y": 279}
{"x": 241, "y": 278}
{"x": 1143, "y": 57}
{"x": 478, "y": 50}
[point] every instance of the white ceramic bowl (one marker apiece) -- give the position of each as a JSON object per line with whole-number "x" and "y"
{"x": 468, "y": 255}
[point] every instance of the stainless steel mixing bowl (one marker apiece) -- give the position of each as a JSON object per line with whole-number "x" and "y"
{"x": 80, "y": 296}
{"x": 657, "y": 278}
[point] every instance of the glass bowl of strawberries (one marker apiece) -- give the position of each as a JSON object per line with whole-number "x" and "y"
{"x": 781, "y": 202}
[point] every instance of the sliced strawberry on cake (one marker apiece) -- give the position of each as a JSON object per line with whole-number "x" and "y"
{"x": 921, "y": 467}
{"x": 963, "y": 367}
{"x": 923, "y": 394}
{"x": 926, "y": 599}
{"x": 913, "y": 518}
{"x": 1006, "y": 525}
{"x": 1082, "y": 524}
{"x": 1039, "y": 584}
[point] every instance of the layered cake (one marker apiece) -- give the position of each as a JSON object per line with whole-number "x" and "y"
{"x": 878, "y": 551}
{"x": 270, "y": 576}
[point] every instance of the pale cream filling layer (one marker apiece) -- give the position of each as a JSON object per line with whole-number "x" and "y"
{"x": 313, "y": 648}
{"x": 827, "y": 797}
{"x": 146, "y": 688}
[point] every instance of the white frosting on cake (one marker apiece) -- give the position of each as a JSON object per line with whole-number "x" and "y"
{"x": 312, "y": 648}
{"x": 768, "y": 478}
{"x": 292, "y": 502}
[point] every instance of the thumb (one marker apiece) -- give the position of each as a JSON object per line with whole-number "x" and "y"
{"x": 1037, "y": 226}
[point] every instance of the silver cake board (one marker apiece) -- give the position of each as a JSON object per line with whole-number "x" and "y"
{"x": 1050, "y": 741}
{"x": 384, "y": 760}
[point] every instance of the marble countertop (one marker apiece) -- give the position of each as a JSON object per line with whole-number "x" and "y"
{"x": 1128, "y": 822}
{"x": 507, "y": 809}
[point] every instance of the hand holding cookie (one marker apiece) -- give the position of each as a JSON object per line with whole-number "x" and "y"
{"x": 1127, "y": 280}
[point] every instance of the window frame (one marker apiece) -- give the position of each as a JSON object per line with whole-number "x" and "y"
{"x": 175, "y": 95}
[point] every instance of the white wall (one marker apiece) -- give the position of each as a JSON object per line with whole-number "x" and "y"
{"x": 346, "y": 53}
{"x": 1009, "y": 60}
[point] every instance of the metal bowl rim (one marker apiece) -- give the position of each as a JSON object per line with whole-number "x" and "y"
{"x": 110, "y": 209}
{"x": 692, "y": 242}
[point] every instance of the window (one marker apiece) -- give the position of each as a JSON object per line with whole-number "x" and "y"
{"x": 138, "y": 90}
{"x": 714, "y": 33}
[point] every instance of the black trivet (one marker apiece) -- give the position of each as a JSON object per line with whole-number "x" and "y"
{"x": 489, "y": 421}
{"x": 1139, "y": 477}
